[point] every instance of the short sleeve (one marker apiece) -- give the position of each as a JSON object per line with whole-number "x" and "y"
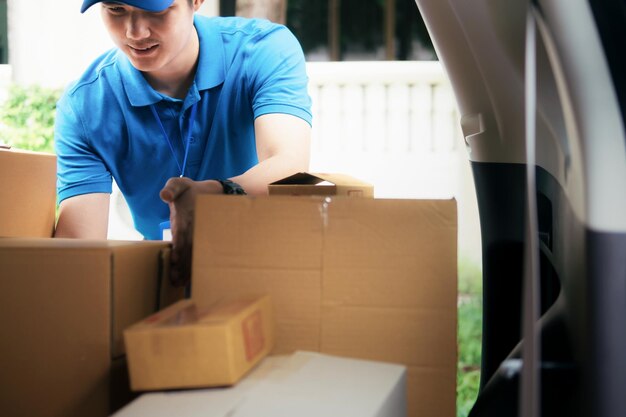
{"x": 277, "y": 72}
{"x": 79, "y": 169}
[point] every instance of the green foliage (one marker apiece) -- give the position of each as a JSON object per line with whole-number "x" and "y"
{"x": 27, "y": 118}
{"x": 470, "y": 278}
{"x": 469, "y": 336}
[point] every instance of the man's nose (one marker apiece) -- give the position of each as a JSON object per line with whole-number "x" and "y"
{"x": 137, "y": 27}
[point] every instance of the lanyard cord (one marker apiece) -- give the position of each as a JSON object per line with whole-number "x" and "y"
{"x": 192, "y": 119}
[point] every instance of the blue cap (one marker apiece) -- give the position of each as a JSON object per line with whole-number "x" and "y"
{"x": 149, "y": 5}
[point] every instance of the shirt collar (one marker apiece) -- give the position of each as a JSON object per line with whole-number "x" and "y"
{"x": 209, "y": 73}
{"x": 138, "y": 91}
{"x": 211, "y": 67}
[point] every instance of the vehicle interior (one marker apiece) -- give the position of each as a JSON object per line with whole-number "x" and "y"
{"x": 541, "y": 92}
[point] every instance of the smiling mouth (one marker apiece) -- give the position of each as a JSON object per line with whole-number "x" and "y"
{"x": 143, "y": 50}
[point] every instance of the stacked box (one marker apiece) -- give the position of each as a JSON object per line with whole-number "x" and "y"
{"x": 356, "y": 277}
{"x": 27, "y": 194}
{"x": 65, "y": 305}
{"x": 186, "y": 346}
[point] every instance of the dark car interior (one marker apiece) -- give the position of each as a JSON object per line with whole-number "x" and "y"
{"x": 541, "y": 91}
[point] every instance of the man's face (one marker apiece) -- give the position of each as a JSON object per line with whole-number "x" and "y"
{"x": 154, "y": 42}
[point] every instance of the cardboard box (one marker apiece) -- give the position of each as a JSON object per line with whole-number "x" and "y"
{"x": 304, "y": 183}
{"x": 65, "y": 303}
{"x": 365, "y": 278}
{"x": 304, "y": 384}
{"x": 187, "y": 346}
{"x": 27, "y": 194}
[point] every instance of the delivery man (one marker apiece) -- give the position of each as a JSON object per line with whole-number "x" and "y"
{"x": 183, "y": 105}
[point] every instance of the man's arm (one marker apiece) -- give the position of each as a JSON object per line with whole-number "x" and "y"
{"x": 84, "y": 216}
{"x": 283, "y": 148}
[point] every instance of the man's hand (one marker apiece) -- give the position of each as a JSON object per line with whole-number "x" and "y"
{"x": 180, "y": 194}
{"x": 282, "y": 142}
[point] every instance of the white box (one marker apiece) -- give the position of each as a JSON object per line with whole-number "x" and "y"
{"x": 304, "y": 384}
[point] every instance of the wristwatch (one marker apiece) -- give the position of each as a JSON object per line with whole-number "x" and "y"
{"x": 231, "y": 187}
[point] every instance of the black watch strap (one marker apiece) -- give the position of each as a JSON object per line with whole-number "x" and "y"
{"x": 231, "y": 187}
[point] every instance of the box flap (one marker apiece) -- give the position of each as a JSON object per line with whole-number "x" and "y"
{"x": 135, "y": 279}
{"x": 301, "y": 178}
{"x": 304, "y": 183}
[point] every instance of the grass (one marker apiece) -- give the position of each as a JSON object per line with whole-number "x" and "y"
{"x": 469, "y": 336}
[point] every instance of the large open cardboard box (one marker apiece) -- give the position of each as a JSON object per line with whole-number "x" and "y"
{"x": 64, "y": 306}
{"x": 364, "y": 278}
{"x": 27, "y": 193}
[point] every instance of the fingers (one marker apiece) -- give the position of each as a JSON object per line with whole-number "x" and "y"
{"x": 173, "y": 188}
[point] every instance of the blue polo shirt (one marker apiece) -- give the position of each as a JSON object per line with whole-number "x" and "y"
{"x": 105, "y": 128}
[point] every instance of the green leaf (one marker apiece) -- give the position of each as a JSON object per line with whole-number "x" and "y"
{"x": 27, "y": 117}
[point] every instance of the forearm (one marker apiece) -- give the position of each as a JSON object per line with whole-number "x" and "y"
{"x": 283, "y": 148}
{"x": 255, "y": 180}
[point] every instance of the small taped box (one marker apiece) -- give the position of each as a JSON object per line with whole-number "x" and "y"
{"x": 28, "y": 193}
{"x": 304, "y": 183}
{"x": 187, "y": 346}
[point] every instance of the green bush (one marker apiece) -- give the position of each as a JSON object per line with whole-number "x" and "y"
{"x": 469, "y": 336}
{"x": 27, "y": 118}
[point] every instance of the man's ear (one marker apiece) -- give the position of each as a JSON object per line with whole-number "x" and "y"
{"x": 197, "y": 4}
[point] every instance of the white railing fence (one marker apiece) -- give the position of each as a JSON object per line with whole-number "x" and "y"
{"x": 393, "y": 124}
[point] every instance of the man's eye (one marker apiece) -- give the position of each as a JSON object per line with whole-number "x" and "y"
{"x": 115, "y": 9}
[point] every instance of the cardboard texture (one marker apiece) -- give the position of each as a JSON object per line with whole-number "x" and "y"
{"x": 304, "y": 384}
{"x": 64, "y": 305}
{"x": 28, "y": 193}
{"x": 364, "y": 278}
{"x": 185, "y": 346}
{"x": 304, "y": 183}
